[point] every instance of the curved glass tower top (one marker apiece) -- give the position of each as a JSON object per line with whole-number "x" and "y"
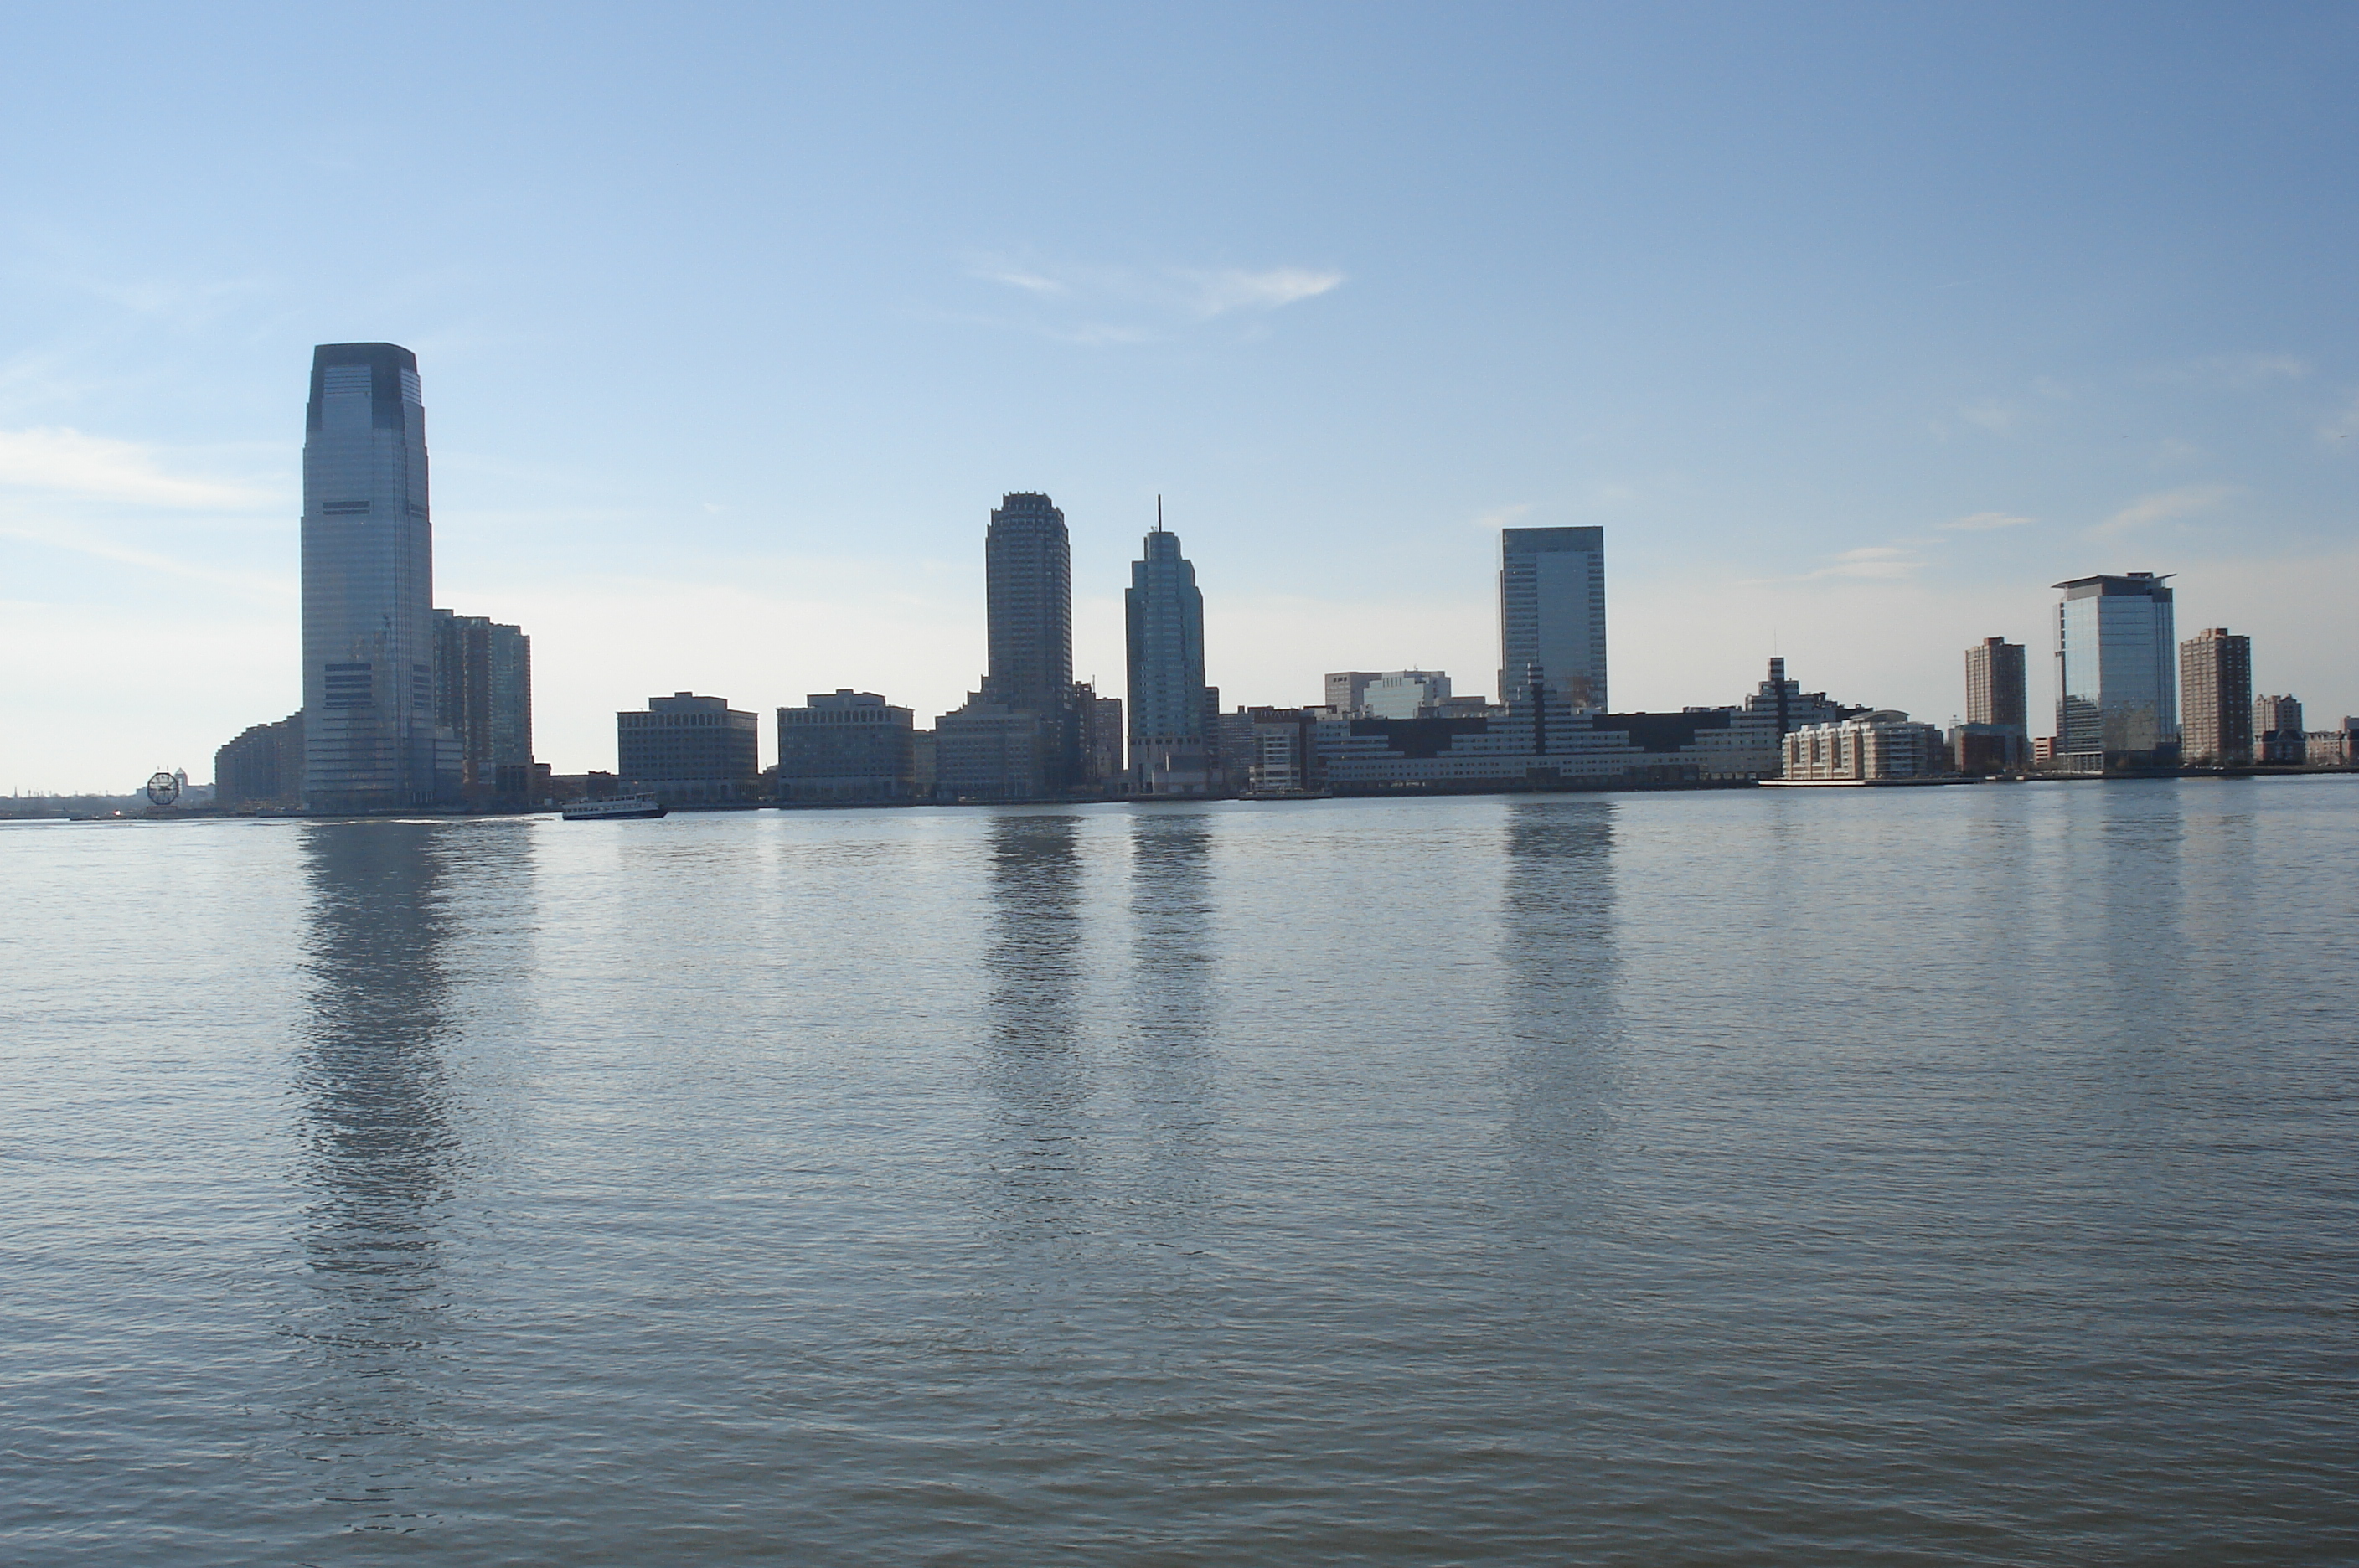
{"x": 368, "y": 583}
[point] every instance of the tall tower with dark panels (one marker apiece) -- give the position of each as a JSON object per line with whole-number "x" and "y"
{"x": 1029, "y": 584}
{"x": 1164, "y": 615}
{"x": 1029, "y": 588}
{"x": 1552, "y": 612}
{"x": 370, "y": 739}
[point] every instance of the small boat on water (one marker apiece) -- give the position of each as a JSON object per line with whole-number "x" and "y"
{"x": 622, "y": 806}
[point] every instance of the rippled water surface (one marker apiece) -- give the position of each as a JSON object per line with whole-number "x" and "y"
{"x": 1948, "y": 1176}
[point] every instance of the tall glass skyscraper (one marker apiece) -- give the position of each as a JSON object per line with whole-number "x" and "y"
{"x": 1552, "y": 612}
{"x": 370, "y": 739}
{"x": 1164, "y": 611}
{"x": 2116, "y": 672}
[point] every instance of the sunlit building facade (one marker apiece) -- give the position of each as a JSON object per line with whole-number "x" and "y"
{"x": 2116, "y": 670}
{"x": 1552, "y": 612}
{"x": 371, "y": 741}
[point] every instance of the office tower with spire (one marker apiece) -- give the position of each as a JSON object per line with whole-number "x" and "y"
{"x": 2215, "y": 697}
{"x": 370, "y": 738}
{"x": 1552, "y": 614}
{"x": 1019, "y": 736}
{"x": 2116, "y": 673}
{"x": 1163, "y": 611}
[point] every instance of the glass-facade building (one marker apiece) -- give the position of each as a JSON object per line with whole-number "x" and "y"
{"x": 2116, "y": 671}
{"x": 1163, "y": 614}
{"x": 1552, "y": 614}
{"x": 371, "y": 741}
{"x": 482, "y": 682}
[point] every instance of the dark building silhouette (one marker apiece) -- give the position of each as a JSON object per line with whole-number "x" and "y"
{"x": 1019, "y": 738}
{"x": 690, "y": 749}
{"x": 1163, "y": 612}
{"x": 263, "y": 767}
{"x": 483, "y": 686}
{"x": 846, "y": 746}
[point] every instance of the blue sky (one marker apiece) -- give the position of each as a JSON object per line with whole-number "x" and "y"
{"x": 1855, "y": 326}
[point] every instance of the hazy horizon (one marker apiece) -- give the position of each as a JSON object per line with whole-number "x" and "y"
{"x": 1854, "y": 327}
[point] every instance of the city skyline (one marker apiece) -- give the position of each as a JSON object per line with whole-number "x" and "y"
{"x": 722, "y": 370}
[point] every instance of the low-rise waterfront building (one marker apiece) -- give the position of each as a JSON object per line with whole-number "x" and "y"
{"x": 1984, "y": 750}
{"x": 1873, "y": 748}
{"x": 2278, "y": 735}
{"x": 843, "y": 747}
{"x": 689, "y": 750}
{"x": 1539, "y": 740}
{"x": 991, "y": 751}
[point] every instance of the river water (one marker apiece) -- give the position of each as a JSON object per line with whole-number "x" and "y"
{"x": 1942, "y": 1176}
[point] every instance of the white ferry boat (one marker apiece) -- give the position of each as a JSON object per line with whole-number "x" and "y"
{"x": 622, "y": 806}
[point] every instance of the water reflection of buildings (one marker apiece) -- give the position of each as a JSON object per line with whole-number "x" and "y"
{"x": 1174, "y": 1004}
{"x": 1557, "y": 929}
{"x": 1038, "y": 1086}
{"x": 379, "y": 1157}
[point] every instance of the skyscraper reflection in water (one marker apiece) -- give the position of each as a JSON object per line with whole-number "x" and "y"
{"x": 1174, "y": 1008}
{"x": 379, "y": 1159}
{"x": 1035, "y": 1072}
{"x": 1556, "y": 925}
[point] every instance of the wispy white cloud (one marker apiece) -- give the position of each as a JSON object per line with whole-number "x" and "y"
{"x": 1991, "y": 415}
{"x": 61, "y": 460}
{"x": 1499, "y": 516}
{"x": 1100, "y": 306}
{"x": 1982, "y": 522}
{"x": 1873, "y": 564}
{"x": 2237, "y": 371}
{"x": 1869, "y": 563}
{"x": 1234, "y": 289}
{"x": 2162, "y": 506}
{"x": 82, "y": 541}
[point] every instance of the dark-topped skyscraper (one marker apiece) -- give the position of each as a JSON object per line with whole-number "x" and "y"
{"x": 1019, "y": 738}
{"x": 370, "y": 739}
{"x": 1552, "y": 612}
{"x": 1163, "y": 611}
{"x": 1029, "y": 584}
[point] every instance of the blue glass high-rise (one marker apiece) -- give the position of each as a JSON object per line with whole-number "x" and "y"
{"x": 1552, "y": 614}
{"x": 370, "y": 739}
{"x": 2116, "y": 673}
{"x": 1164, "y": 615}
